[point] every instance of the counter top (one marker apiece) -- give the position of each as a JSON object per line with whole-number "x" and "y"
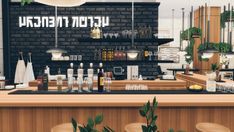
{"x": 115, "y": 100}
{"x": 151, "y": 84}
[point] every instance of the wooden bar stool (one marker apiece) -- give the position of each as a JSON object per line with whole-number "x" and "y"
{"x": 66, "y": 127}
{"x": 134, "y": 127}
{"x": 211, "y": 127}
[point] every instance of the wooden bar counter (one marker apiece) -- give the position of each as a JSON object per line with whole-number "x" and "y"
{"x": 197, "y": 79}
{"x": 39, "y": 113}
{"x": 120, "y": 85}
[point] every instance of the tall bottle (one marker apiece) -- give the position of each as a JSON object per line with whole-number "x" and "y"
{"x": 45, "y": 80}
{"x": 90, "y": 70}
{"x": 59, "y": 80}
{"x": 80, "y": 71}
{"x": 100, "y": 78}
{"x": 70, "y": 73}
{"x": 90, "y": 77}
{"x": 40, "y": 81}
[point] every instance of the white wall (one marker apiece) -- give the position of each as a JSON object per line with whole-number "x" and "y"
{"x": 165, "y": 24}
{"x": 1, "y": 43}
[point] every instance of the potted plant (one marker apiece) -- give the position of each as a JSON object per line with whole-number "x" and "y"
{"x": 148, "y": 112}
{"x": 215, "y": 68}
{"x": 24, "y": 2}
{"x": 91, "y": 125}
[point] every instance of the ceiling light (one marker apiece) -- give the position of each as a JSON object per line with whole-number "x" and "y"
{"x": 62, "y": 3}
{"x": 132, "y": 54}
{"x": 56, "y": 52}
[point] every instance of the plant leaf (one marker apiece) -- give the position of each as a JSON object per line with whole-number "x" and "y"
{"x": 147, "y": 106}
{"x": 144, "y": 128}
{"x": 74, "y": 124}
{"x": 155, "y": 103}
{"x": 82, "y": 129}
{"x": 90, "y": 122}
{"x": 142, "y": 112}
{"x": 109, "y": 129}
{"x": 99, "y": 119}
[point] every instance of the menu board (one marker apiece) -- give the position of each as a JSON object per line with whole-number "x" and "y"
{"x": 169, "y": 53}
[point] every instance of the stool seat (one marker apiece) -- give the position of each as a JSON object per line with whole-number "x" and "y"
{"x": 66, "y": 127}
{"x": 211, "y": 127}
{"x": 134, "y": 127}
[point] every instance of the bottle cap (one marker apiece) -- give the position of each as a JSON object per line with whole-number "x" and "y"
{"x": 90, "y": 65}
{"x": 71, "y": 65}
{"x": 100, "y": 65}
{"x": 81, "y": 65}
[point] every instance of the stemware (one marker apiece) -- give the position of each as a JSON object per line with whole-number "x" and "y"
{"x": 80, "y": 84}
{"x": 89, "y": 83}
{"x": 107, "y": 83}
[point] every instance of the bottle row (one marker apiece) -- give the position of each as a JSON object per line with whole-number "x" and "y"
{"x": 43, "y": 79}
{"x": 120, "y": 53}
{"x": 140, "y": 32}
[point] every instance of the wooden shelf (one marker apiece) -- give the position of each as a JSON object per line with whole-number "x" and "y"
{"x": 115, "y": 61}
{"x": 159, "y": 41}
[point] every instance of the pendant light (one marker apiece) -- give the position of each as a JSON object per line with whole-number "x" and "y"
{"x": 182, "y": 41}
{"x": 133, "y": 52}
{"x": 230, "y": 54}
{"x": 187, "y": 56}
{"x": 190, "y": 24}
{"x": 208, "y": 52}
{"x": 56, "y": 52}
{"x": 62, "y": 3}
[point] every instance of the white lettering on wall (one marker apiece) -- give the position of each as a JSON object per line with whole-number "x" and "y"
{"x": 63, "y": 21}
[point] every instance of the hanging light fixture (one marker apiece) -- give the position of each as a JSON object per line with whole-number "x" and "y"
{"x": 56, "y": 52}
{"x": 208, "y": 52}
{"x": 182, "y": 41}
{"x": 230, "y": 54}
{"x": 62, "y": 3}
{"x": 133, "y": 52}
{"x": 190, "y": 24}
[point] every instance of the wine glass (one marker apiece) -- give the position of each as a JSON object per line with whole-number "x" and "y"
{"x": 107, "y": 83}
{"x": 89, "y": 83}
{"x": 155, "y": 55}
{"x": 150, "y": 55}
{"x": 80, "y": 84}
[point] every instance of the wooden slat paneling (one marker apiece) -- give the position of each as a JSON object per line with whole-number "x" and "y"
{"x": 214, "y": 37}
{"x": 43, "y": 119}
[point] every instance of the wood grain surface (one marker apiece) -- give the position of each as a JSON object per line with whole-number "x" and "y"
{"x": 43, "y": 119}
{"x": 120, "y": 85}
{"x": 214, "y": 37}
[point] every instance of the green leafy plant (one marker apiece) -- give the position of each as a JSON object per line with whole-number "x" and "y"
{"x": 148, "y": 112}
{"x": 91, "y": 125}
{"x": 191, "y": 32}
{"x": 24, "y": 2}
{"x": 225, "y": 17}
{"x": 184, "y": 36}
{"x": 214, "y": 67}
{"x": 221, "y": 47}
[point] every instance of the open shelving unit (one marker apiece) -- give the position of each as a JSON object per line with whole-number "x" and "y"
{"x": 115, "y": 61}
{"x": 158, "y": 41}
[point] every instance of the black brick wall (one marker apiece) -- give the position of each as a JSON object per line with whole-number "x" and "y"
{"x": 38, "y": 40}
